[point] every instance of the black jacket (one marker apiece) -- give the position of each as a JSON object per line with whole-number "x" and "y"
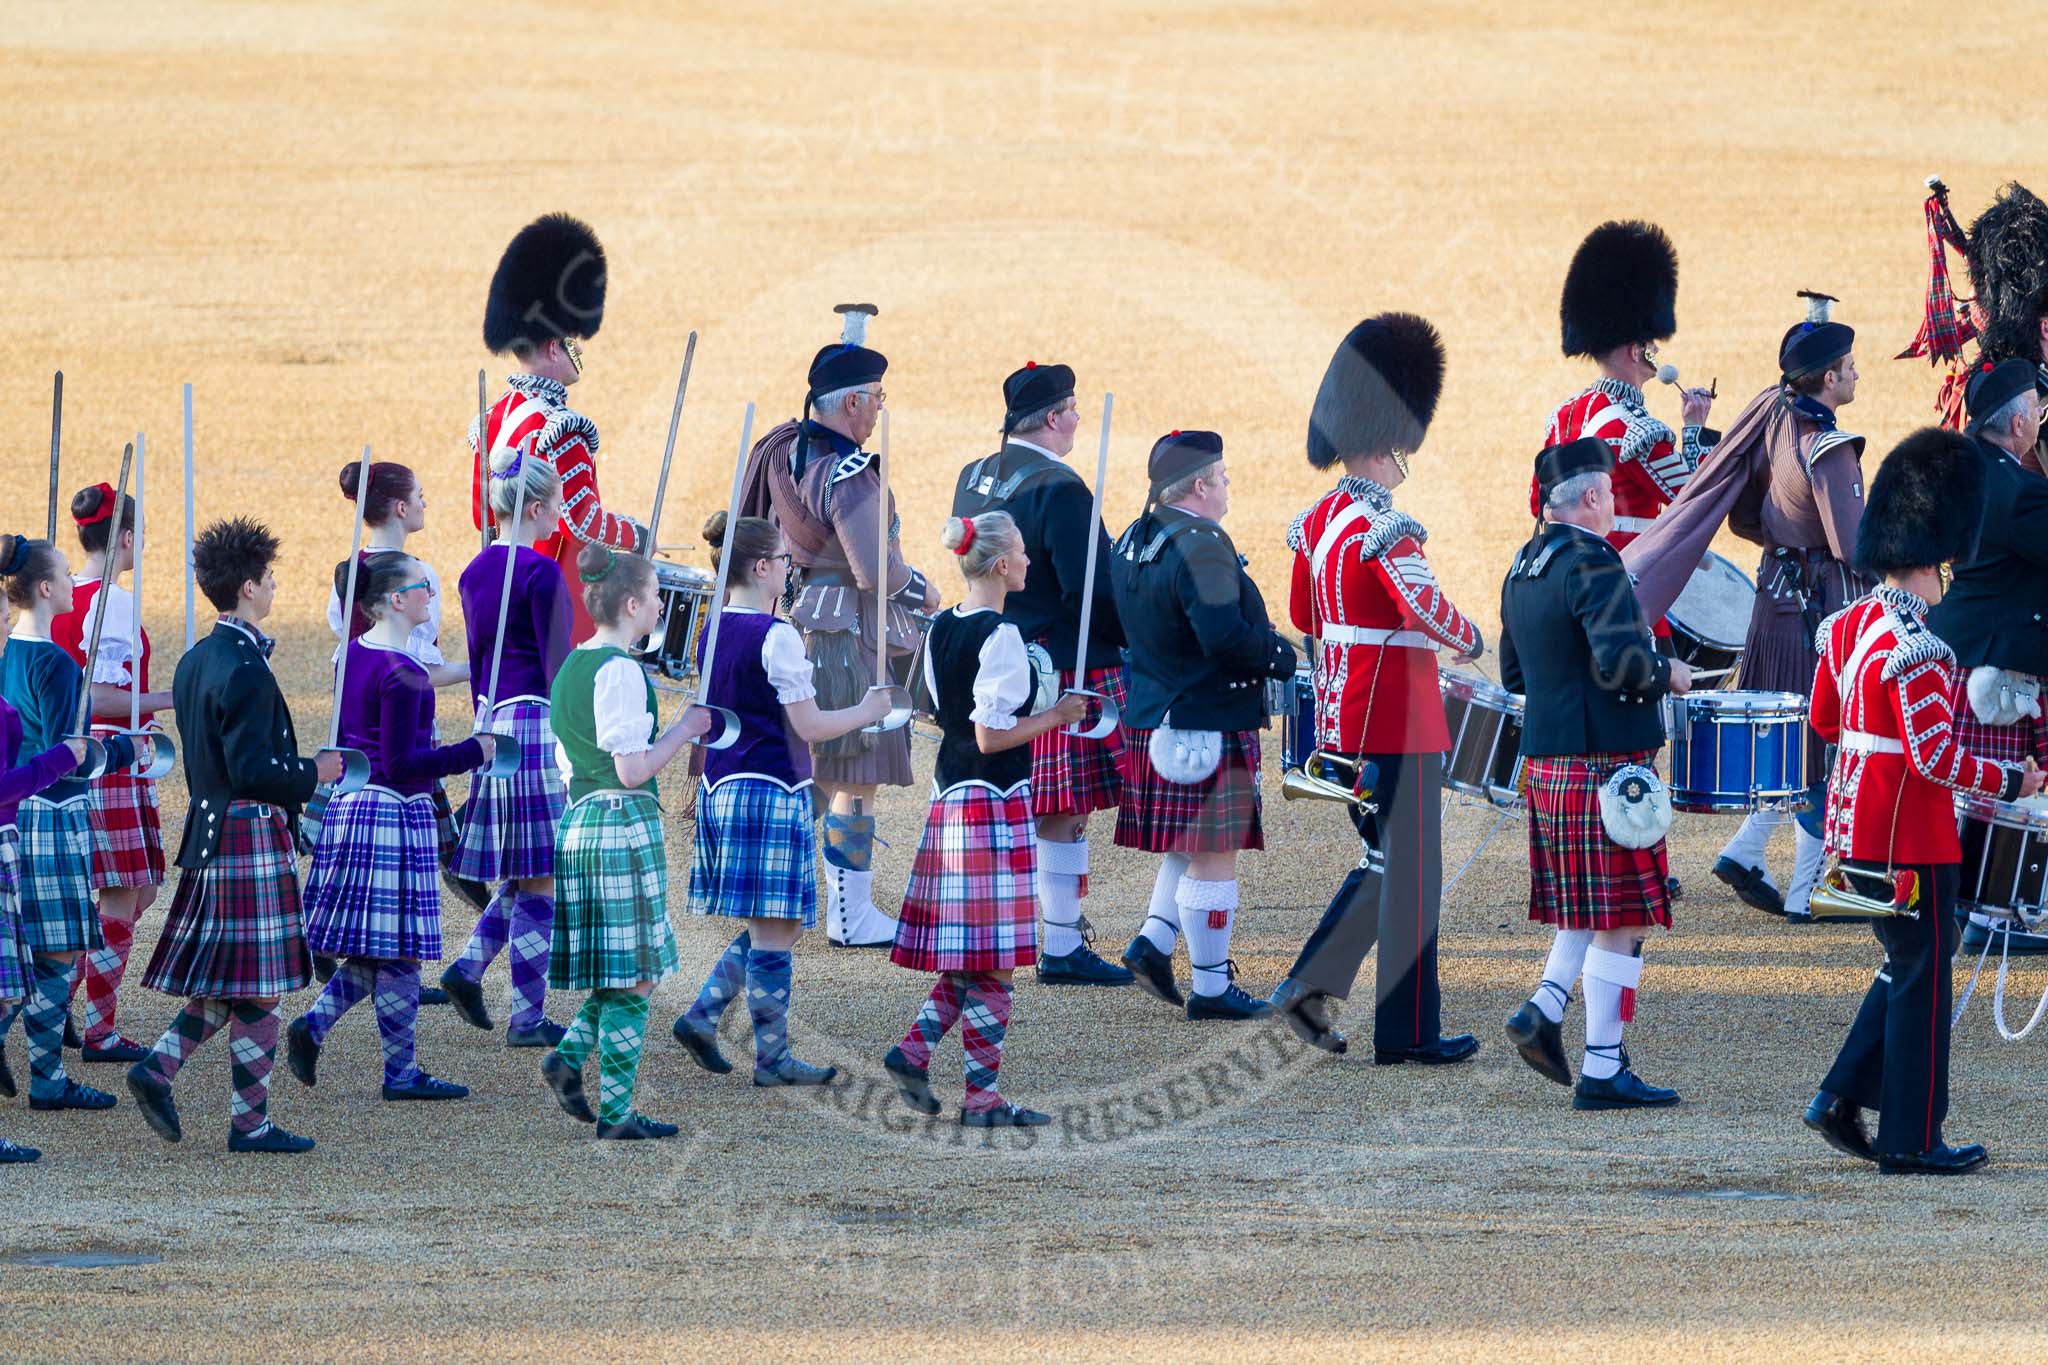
{"x": 1055, "y": 512}
{"x": 1574, "y": 641}
{"x": 238, "y": 739}
{"x": 1202, "y": 646}
{"x": 1996, "y": 610}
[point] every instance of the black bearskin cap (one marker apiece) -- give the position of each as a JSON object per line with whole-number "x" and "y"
{"x": 549, "y": 285}
{"x": 1925, "y": 505}
{"x": 1622, "y": 287}
{"x": 1380, "y": 390}
{"x": 2009, "y": 267}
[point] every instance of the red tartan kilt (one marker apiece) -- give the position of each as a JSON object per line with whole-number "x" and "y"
{"x": 1578, "y": 877}
{"x": 972, "y": 902}
{"x": 233, "y": 931}
{"x": 1074, "y": 776}
{"x": 127, "y": 832}
{"x": 1999, "y": 743}
{"x": 1220, "y": 814}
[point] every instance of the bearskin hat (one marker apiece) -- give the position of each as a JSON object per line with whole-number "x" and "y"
{"x": 1622, "y": 286}
{"x": 1924, "y": 506}
{"x": 2009, "y": 266}
{"x": 549, "y": 285}
{"x": 1380, "y": 390}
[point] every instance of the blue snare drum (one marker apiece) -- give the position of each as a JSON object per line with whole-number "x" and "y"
{"x": 1737, "y": 751}
{"x": 1295, "y": 702}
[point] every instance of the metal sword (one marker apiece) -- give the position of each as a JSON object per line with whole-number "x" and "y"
{"x": 899, "y": 710}
{"x": 1106, "y": 723}
{"x": 729, "y": 723}
{"x": 56, "y": 449}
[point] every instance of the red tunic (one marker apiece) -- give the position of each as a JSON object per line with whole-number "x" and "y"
{"x": 72, "y": 633}
{"x": 536, "y": 407}
{"x": 1882, "y": 693}
{"x": 1364, "y": 589}
{"x": 1650, "y": 463}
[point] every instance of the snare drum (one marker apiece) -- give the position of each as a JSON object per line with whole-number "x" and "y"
{"x": 1737, "y": 751}
{"x": 1485, "y": 754}
{"x": 685, "y": 610}
{"x": 2005, "y": 859}
{"x": 1710, "y": 619}
{"x": 1295, "y": 701}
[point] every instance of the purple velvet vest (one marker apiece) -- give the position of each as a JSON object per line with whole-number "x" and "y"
{"x": 740, "y": 684}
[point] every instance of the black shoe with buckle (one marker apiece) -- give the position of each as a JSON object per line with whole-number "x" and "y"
{"x": 1082, "y": 968}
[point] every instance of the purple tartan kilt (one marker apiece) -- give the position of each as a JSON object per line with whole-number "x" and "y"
{"x": 2000, "y": 743}
{"x": 508, "y": 825}
{"x": 127, "y": 830}
{"x": 972, "y": 902}
{"x": 1578, "y": 877}
{"x": 233, "y": 930}
{"x": 375, "y": 886}
{"x": 14, "y": 970}
{"x": 447, "y": 832}
{"x": 1217, "y": 815}
{"x": 1075, "y": 776}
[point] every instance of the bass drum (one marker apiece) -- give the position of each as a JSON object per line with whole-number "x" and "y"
{"x": 1710, "y": 620}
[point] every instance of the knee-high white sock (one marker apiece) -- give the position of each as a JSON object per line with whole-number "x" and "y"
{"x": 1806, "y": 861}
{"x": 1611, "y": 979}
{"x": 1162, "y": 917}
{"x": 1060, "y": 870}
{"x": 1207, "y": 910}
{"x": 1561, "y": 972}
{"x": 1751, "y": 845}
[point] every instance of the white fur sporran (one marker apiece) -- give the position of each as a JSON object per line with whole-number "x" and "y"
{"x": 1635, "y": 806}
{"x": 1185, "y": 756}
{"x": 2000, "y": 696}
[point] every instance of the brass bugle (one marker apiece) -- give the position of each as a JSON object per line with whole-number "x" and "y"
{"x": 1298, "y": 785}
{"x": 1837, "y": 897}
{"x": 1342, "y": 770}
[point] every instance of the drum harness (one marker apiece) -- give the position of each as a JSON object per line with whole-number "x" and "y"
{"x": 2003, "y": 934}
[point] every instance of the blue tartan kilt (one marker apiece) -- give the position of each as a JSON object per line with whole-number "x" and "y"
{"x": 756, "y": 852}
{"x": 233, "y": 930}
{"x": 56, "y": 902}
{"x": 508, "y": 824}
{"x": 611, "y": 895}
{"x": 375, "y": 888}
{"x": 14, "y": 970}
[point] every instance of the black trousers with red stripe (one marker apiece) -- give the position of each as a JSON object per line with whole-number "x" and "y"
{"x": 1397, "y": 910}
{"x": 1895, "y": 1059}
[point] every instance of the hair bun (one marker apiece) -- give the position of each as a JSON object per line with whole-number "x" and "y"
{"x": 351, "y": 479}
{"x": 714, "y": 530}
{"x": 13, "y": 555}
{"x": 505, "y": 461}
{"x": 958, "y": 535}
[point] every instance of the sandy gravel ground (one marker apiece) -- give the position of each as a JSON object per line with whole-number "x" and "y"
{"x": 297, "y": 210}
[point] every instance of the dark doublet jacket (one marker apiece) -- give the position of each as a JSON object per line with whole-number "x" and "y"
{"x": 239, "y": 744}
{"x": 1996, "y": 610}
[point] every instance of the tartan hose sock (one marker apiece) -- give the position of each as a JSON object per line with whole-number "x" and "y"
{"x": 42, "y": 1019}
{"x": 622, "y": 1032}
{"x": 190, "y": 1028}
{"x": 397, "y": 1003}
{"x": 533, "y": 929}
{"x": 252, "y": 1049}
{"x": 352, "y": 980}
{"x": 104, "y": 968}
{"x": 727, "y": 975}
{"x": 941, "y": 1010}
{"x": 984, "y": 1020}
{"x": 581, "y": 1036}
{"x": 493, "y": 927}
{"x": 768, "y": 978}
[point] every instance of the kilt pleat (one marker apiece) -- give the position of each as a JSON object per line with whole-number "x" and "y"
{"x": 14, "y": 968}
{"x": 1578, "y": 877}
{"x": 233, "y": 931}
{"x": 756, "y": 852}
{"x": 1075, "y": 776}
{"x": 127, "y": 830}
{"x": 375, "y": 887}
{"x": 972, "y": 902}
{"x": 508, "y": 824}
{"x": 1219, "y": 814}
{"x": 56, "y": 901}
{"x": 2016, "y": 743}
{"x": 611, "y": 895}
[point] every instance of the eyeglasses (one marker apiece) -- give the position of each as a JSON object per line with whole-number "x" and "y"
{"x": 878, "y": 397}
{"x": 423, "y": 583}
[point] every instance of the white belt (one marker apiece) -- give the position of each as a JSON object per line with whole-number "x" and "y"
{"x": 1859, "y": 742}
{"x": 1374, "y": 635}
{"x": 1634, "y": 525}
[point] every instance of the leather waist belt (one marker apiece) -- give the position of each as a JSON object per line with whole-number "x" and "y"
{"x": 1634, "y": 525}
{"x": 1374, "y": 635}
{"x": 1858, "y": 742}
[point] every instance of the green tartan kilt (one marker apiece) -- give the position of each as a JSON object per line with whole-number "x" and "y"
{"x": 611, "y": 895}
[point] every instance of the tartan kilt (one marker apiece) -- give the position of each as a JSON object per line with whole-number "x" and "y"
{"x": 1578, "y": 877}
{"x": 2014, "y": 743}
{"x": 375, "y": 886}
{"x": 508, "y": 824}
{"x": 611, "y": 895}
{"x": 14, "y": 968}
{"x": 447, "y": 832}
{"x": 756, "y": 852}
{"x": 1075, "y": 776}
{"x": 56, "y": 901}
{"x": 233, "y": 930}
{"x": 127, "y": 831}
{"x": 972, "y": 902}
{"x": 1219, "y": 814}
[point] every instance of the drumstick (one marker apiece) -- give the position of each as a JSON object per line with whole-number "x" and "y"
{"x": 882, "y": 557}
{"x": 56, "y": 449}
{"x": 668, "y": 450}
{"x": 191, "y": 617}
{"x": 348, "y": 606}
{"x": 135, "y": 616}
{"x": 99, "y": 618}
